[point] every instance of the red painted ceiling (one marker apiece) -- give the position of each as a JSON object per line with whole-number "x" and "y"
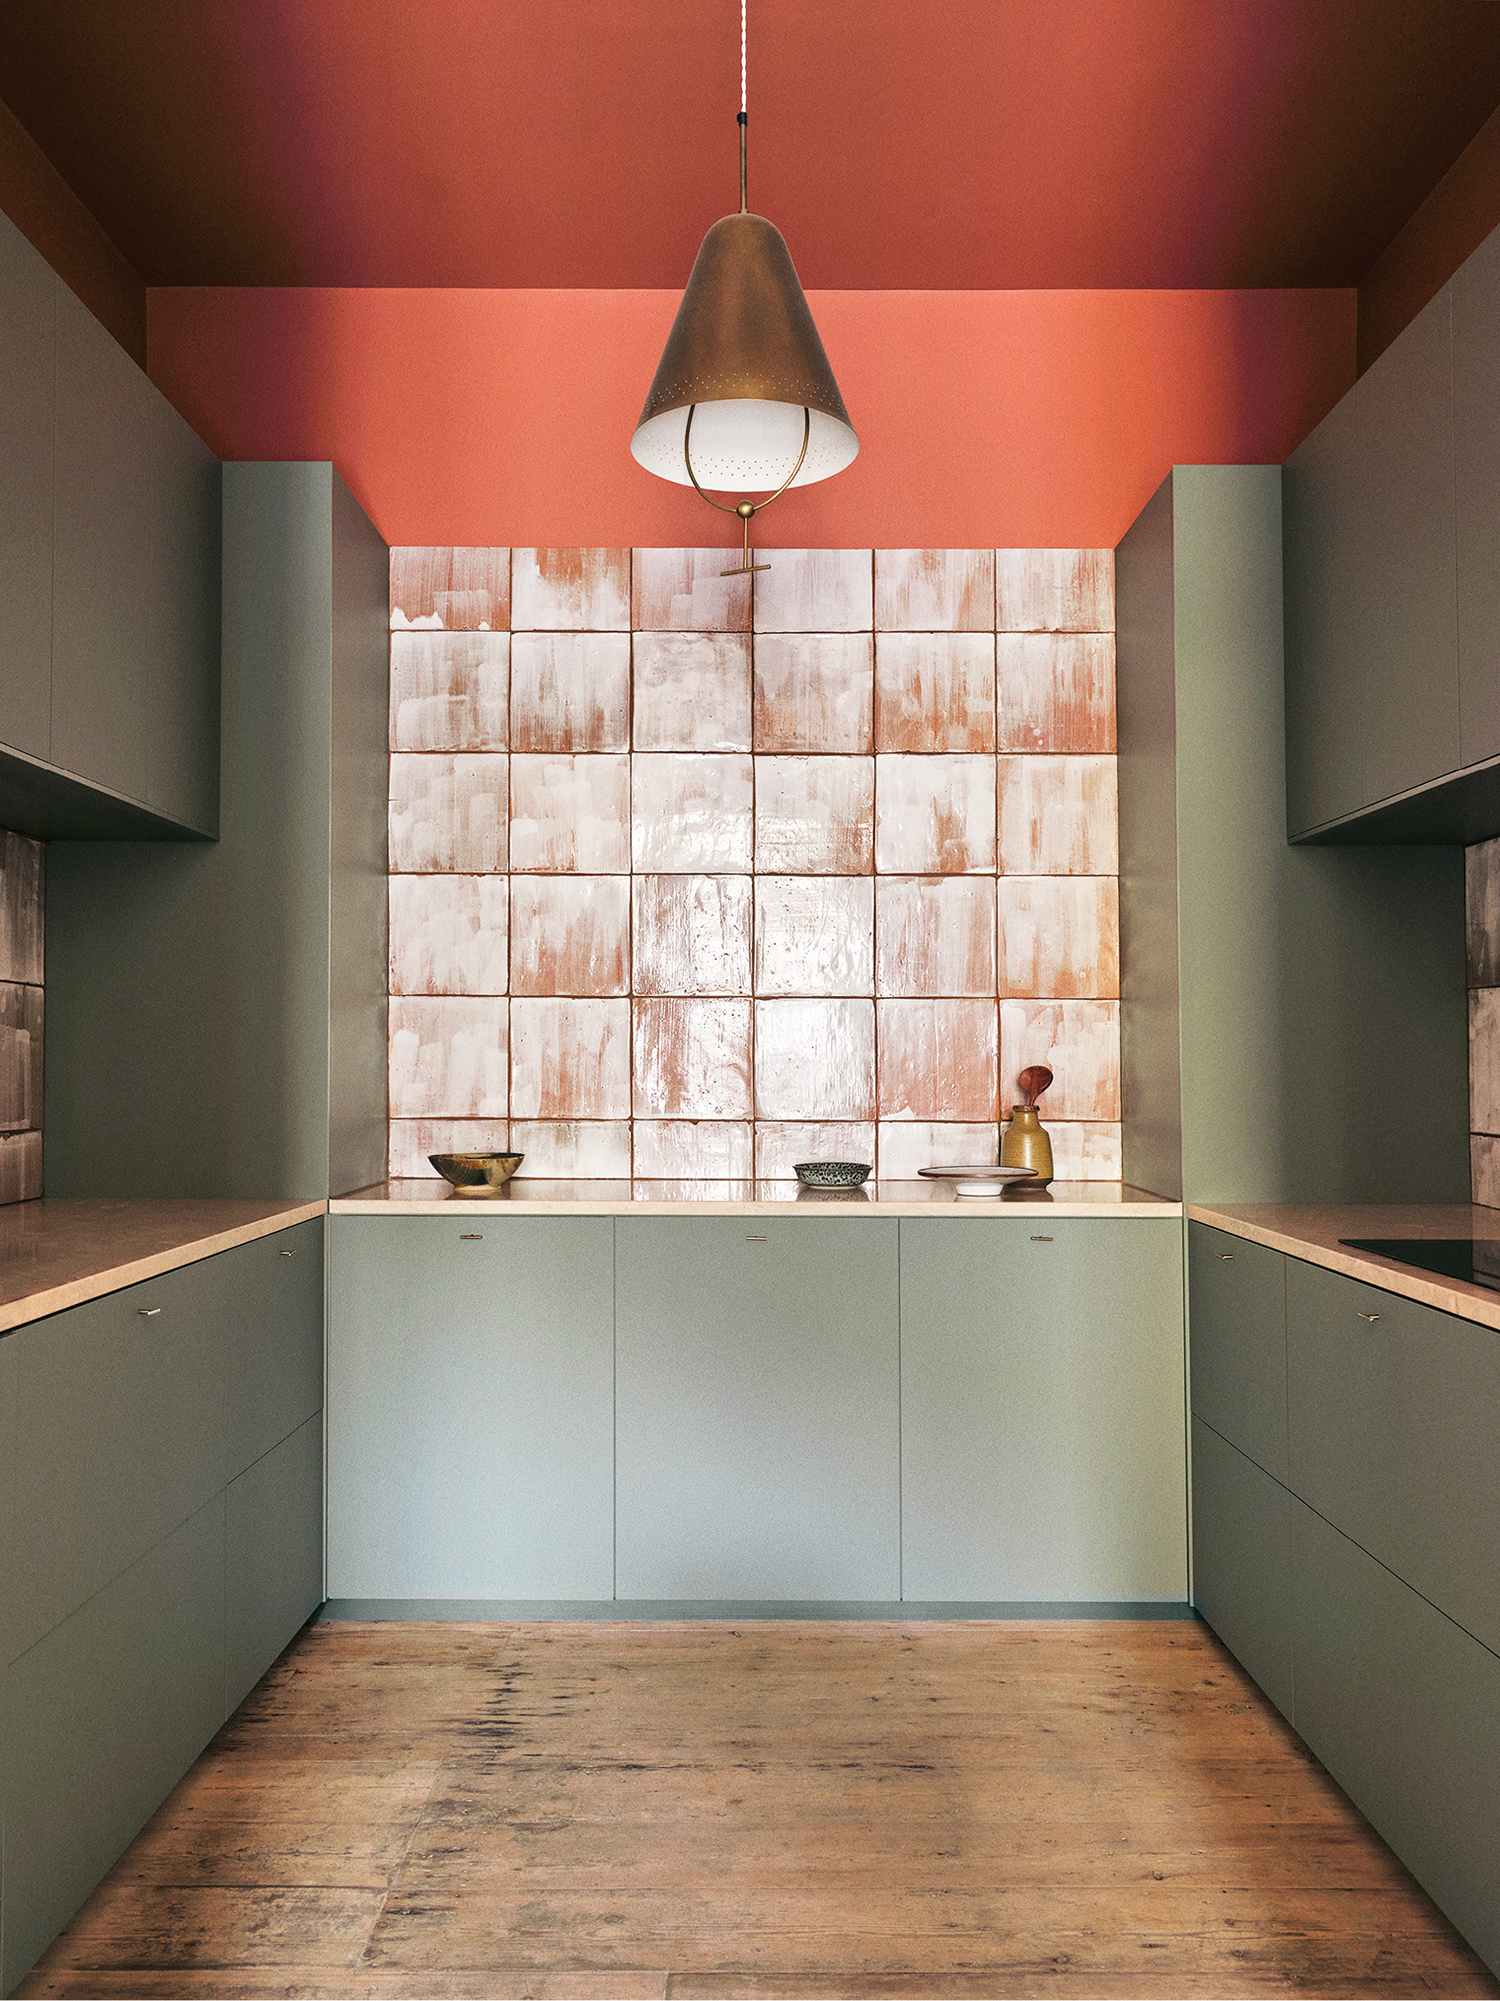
{"x": 931, "y": 144}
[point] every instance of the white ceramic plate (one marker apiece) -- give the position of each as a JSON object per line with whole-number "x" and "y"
{"x": 992, "y": 1174}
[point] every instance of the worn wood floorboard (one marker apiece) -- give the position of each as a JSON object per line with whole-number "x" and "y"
{"x": 775, "y": 1812}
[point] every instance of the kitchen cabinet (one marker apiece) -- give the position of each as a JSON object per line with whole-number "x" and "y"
{"x": 1242, "y": 1560}
{"x": 1237, "y": 1296}
{"x": 471, "y": 1398}
{"x": 757, "y": 1386}
{"x": 1476, "y": 471}
{"x": 273, "y": 1566}
{"x": 273, "y": 1341}
{"x": 1042, "y": 1411}
{"x": 181, "y": 692}
{"x": 8, "y": 1625}
{"x": 28, "y": 317}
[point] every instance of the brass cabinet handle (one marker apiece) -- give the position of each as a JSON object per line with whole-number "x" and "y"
{"x": 1041, "y": 1240}
{"x": 1367, "y": 1316}
{"x": 148, "y": 1312}
{"x": 1225, "y": 1257}
{"x": 755, "y": 1240}
{"x": 288, "y": 1254}
{"x": 471, "y": 1237}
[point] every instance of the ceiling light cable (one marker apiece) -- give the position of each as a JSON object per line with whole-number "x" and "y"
{"x": 743, "y": 118}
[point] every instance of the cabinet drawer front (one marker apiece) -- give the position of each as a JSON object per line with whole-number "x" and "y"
{"x": 271, "y": 1297}
{"x": 1242, "y": 1560}
{"x": 1237, "y": 1313}
{"x": 273, "y": 1556}
{"x": 1394, "y": 1413}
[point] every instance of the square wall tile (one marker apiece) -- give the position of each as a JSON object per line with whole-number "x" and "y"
{"x": 692, "y": 691}
{"x": 935, "y": 936}
{"x": 814, "y": 1059}
{"x": 814, "y": 815}
{"x": 412, "y": 1140}
{"x": 683, "y": 1149}
{"x": 1484, "y": 1060}
{"x": 449, "y": 934}
{"x": 934, "y": 815}
{"x": 449, "y": 813}
{"x": 685, "y": 590}
{"x": 934, "y": 590}
{"x": 815, "y": 590}
{"x": 815, "y": 934}
{"x": 1084, "y": 1150}
{"x": 1057, "y": 816}
{"x": 1482, "y": 892}
{"x": 1079, "y": 1041}
{"x": 570, "y": 691}
{"x": 692, "y": 1059}
{"x": 1055, "y": 693}
{"x": 692, "y": 934}
{"x": 460, "y": 590}
{"x": 570, "y": 815}
{"x": 939, "y": 1059}
{"x": 21, "y": 1057}
{"x": 781, "y": 1144}
{"x": 450, "y": 690}
{"x": 22, "y": 871}
{"x": 570, "y": 1059}
{"x": 570, "y": 934}
{"x": 567, "y": 1150}
{"x": 570, "y": 590}
{"x": 815, "y": 692}
{"x": 909, "y": 1145}
{"x": 449, "y": 1059}
{"x": 694, "y": 814}
{"x": 1059, "y": 937}
{"x": 1055, "y": 590}
{"x": 1484, "y": 1170}
{"x": 934, "y": 691}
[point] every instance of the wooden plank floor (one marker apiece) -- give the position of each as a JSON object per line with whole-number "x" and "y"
{"x": 771, "y": 1810}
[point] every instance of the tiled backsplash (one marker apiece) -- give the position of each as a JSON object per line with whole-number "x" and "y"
{"x": 695, "y": 878}
{"x": 21, "y": 883}
{"x": 1482, "y": 873}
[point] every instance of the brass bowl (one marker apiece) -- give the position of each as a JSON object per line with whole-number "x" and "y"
{"x": 476, "y": 1173}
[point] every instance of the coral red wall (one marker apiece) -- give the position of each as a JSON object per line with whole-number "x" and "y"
{"x": 1009, "y": 419}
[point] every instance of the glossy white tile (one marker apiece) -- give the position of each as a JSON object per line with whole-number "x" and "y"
{"x": 569, "y": 1059}
{"x": 570, "y": 934}
{"x": 449, "y": 1058}
{"x": 691, "y": 934}
{"x": 692, "y": 691}
{"x": 814, "y": 935}
{"x": 450, "y": 690}
{"x": 581, "y": 590}
{"x": 570, "y": 691}
{"x": 449, "y": 813}
{"x": 570, "y": 815}
{"x": 449, "y": 934}
{"x": 692, "y": 814}
{"x": 814, "y": 1059}
{"x": 815, "y": 590}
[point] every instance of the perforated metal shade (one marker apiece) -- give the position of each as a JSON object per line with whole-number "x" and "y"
{"x": 745, "y": 351}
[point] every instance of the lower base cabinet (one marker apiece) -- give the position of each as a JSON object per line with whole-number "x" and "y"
{"x": 273, "y": 1556}
{"x": 1242, "y": 1560}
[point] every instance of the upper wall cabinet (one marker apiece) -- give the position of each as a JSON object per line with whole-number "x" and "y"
{"x": 1476, "y": 407}
{"x": 109, "y": 581}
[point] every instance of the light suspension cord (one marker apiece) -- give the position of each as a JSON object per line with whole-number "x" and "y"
{"x": 743, "y": 120}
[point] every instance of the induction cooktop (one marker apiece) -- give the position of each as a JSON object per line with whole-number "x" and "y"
{"x": 1474, "y": 1259}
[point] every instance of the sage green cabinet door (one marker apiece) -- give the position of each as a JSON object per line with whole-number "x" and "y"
{"x": 758, "y": 1408}
{"x": 103, "y": 1716}
{"x": 119, "y": 1436}
{"x": 1043, "y": 1410}
{"x": 28, "y": 332}
{"x": 470, "y": 1406}
{"x": 1476, "y": 435}
{"x": 9, "y": 1643}
{"x": 1242, "y": 1560}
{"x": 182, "y": 770}
{"x": 271, "y": 1294}
{"x": 1395, "y": 1410}
{"x": 1237, "y": 1314}
{"x": 1403, "y": 1707}
{"x": 273, "y": 1556}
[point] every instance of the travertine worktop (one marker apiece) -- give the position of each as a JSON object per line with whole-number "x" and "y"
{"x": 752, "y": 1198}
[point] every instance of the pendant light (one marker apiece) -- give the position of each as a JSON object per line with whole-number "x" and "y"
{"x": 744, "y": 397}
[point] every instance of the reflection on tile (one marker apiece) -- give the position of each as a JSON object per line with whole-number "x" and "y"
{"x": 685, "y": 590}
{"x": 934, "y": 590}
{"x": 412, "y": 1140}
{"x": 570, "y": 691}
{"x": 1054, "y": 693}
{"x": 781, "y": 1144}
{"x": 448, "y": 813}
{"x": 461, "y": 590}
{"x": 449, "y": 1059}
{"x": 814, "y": 815}
{"x": 691, "y": 934}
{"x": 570, "y": 815}
{"x": 1484, "y": 1060}
{"x": 1084, "y": 1150}
{"x": 1482, "y": 887}
{"x": 1055, "y": 590}
{"x": 935, "y": 691}
{"x": 674, "y": 1149}
{"x": 448, "y": 934}
{"x": 1079, "y": 1041}
{"x": 1484, "y": 1171}
{"x": 20, "y": 1057}
{"x": 1059, "y": 937}
{"x": 814, "y": 934}
{"x": 1057, "y": 816}
{"x": 22, "y": 863}
{"x": 814, "y": 692}
{"x": 939, "y": 1059}
{"x": 20, "y": 1167}
{"x": 814, "y": 1059}
{"x": 692, "y": 691}
{"x": 692, "y": 1059}
{"x": 815, "y": 590}
{"x": 934, "y": 815}
{"x": 908, "y": 1145}
{"x": 693, "y": 814}
{"x": 578, "y": 590}
{"x": 570, "y": 1059}
{"x": 935, "y": 936}
{"x": 569, "y": 1150}
{"x": 570, "y": 934}
{"x": 449, "y": 690}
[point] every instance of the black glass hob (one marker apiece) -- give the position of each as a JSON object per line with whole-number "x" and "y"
{"x": 1474, "y": 1259}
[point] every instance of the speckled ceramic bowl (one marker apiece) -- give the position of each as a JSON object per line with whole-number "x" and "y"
{"x": 476, "y": 1173}
{"x": 831, "y": 1173}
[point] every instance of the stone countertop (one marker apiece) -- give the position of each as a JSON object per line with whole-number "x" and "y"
{"x": 1312, "y": 1232}
{"x": 430, "y": 1197}
{"x": 55, "y": 1254}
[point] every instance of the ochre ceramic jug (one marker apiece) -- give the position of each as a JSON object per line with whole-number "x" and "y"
{"x": 1026, "y": 1143}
